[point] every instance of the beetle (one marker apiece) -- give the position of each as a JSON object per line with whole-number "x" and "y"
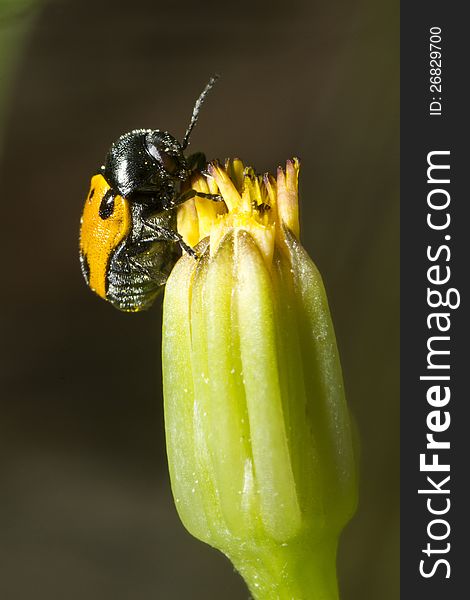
{"x": 128, "y": 237}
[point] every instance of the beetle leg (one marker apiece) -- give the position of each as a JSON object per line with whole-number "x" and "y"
{"x": 172, "y": 236}
{"x": 136, "y": 264}
{"x": 194, "y": 193}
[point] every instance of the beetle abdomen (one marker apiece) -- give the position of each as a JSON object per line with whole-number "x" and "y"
{"x": 135, "y": 280}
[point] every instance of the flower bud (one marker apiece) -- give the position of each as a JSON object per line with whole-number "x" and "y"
{"x": 258, "y": 432}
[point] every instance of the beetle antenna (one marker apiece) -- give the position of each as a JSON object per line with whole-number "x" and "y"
{"x": 197, "y": 108}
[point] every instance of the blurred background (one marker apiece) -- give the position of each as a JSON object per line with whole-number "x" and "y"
{"x": 85, "y": 503}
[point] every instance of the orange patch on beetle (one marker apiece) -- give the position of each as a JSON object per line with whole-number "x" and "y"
{"x": 99, "y": 238}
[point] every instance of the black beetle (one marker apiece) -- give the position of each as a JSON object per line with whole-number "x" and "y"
{"x": 128, "y": 238}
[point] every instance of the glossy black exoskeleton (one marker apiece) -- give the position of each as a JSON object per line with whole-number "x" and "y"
{"x": 143, "y": 174}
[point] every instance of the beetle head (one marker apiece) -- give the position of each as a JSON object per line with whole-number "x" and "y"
{"x": 168, "y": 153}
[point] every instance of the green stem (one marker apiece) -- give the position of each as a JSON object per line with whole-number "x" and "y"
{"x": 298, "y": 570}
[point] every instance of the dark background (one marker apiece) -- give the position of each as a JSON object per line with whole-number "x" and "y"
{"x": 85, "y": 504}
